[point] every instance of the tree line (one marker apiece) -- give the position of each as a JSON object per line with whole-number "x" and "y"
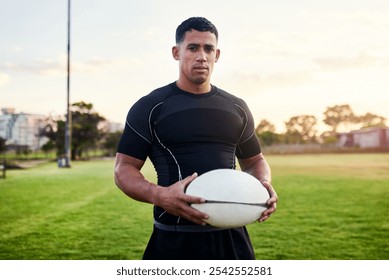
{"x": 301, "y": 129}
{"x": 91, "y": 131}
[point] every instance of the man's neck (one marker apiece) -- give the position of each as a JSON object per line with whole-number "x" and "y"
{"x": 194, "y": 88}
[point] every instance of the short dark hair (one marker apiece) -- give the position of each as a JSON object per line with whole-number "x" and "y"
{"x": 197, "y": 23}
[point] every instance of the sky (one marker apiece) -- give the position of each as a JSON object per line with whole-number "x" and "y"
{"x": 284, "y": 58}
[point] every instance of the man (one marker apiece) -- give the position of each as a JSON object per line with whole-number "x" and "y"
{"x": 187, "y": 128}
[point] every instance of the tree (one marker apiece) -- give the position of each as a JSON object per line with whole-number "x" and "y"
{"x": 265, "y": 126}
{"x": 266, "y": 132}
{"x": 301, "y": 129}
{"x": 339, "y": 114}
{"x": 85, "y": 128}
{"x": 111, "y": 142}
{"x": 371, "y": 120}
{"x": 328, "y": 138}
{"x": 54, "y": 130}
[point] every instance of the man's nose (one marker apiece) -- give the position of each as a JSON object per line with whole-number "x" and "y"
{"x": 201, "y": 56}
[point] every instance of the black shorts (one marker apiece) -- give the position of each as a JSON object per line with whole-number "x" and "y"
{"x": 226, "y": 244}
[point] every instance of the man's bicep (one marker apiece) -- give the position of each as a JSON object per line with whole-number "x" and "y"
{"x": 129, "y": 161}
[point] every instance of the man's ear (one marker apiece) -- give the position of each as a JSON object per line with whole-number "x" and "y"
{"x": 176, "y": 52}
{"x": 217, "y": 55}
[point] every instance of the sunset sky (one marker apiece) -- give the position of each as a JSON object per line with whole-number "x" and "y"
{"x": 284, "y": 58}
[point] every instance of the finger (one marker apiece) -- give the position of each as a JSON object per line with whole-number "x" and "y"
{"x": 189, "y": 179}
{"x": 266, "y": 214}
{"x": 270, "y": 210}
{"x": 190, "y": 198}
{"x": 269, "y": 188}
{"x": 272, "y": 200}
{"x": 186, "y": 211}
{"x": 196, "y": 217}
{"x": 263, "y": 218}
{"x": 192, "y": 211}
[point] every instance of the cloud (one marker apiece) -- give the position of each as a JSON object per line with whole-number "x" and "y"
{"x": 364, "y": 18}
{"x": 16, "y": 49}
{"x": 56, "y": 67}
{"x": 253, "y": 83}
{"x": 4, "y": 79}
{"x": 92, "y": 65}
{"x": 362, "y": 60}
{"x": 38, "y": 67}
{"x": 281, "y": 79}
{"x": 286, "y": 79}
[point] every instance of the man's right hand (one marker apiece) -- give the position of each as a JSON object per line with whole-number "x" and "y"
{"x": 174, "y": 200}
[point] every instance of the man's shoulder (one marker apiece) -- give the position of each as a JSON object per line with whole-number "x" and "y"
{"x": 231, "y": 97}
{"x": 149, "y": 101}
{"x": 156, "y": 96}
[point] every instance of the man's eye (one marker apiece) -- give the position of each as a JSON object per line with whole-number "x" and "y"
{"x": 193, "y": 48}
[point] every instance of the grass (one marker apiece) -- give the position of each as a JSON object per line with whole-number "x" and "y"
{"x": 331, "y": 207}
{"x": 77, "y": 213}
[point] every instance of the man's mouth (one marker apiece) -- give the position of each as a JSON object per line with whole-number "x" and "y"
{"x": 201, "y": 68}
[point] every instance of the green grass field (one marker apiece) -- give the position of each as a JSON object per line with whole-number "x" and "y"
{"x": 331, "y": 207}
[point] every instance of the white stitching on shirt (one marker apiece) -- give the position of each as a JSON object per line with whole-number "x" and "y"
{"x": 244, "y": 127}
{"x": 170, "y": 152}
{"x": 151, "y": 112}
{"x": 138, "y": 132}
{"x": 178, "y": 168}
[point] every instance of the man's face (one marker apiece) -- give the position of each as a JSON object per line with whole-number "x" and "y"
{"x": 197, "y": 55}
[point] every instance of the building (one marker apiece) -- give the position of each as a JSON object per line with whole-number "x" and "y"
{"x": 115, "y": 127}
{"x": 22, "y": 129}
{"x": 373, "y": 137}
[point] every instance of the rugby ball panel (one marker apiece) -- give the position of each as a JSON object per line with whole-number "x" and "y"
{"x": 230, "y": 215}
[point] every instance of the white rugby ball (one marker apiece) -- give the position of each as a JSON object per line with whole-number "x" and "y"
{"x": 233, "y": 198}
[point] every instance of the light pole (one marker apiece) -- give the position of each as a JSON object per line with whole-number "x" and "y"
{"x": 68, "y": 127}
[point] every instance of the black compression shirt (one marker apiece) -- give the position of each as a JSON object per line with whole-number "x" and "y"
{"x": 183, "y": 133}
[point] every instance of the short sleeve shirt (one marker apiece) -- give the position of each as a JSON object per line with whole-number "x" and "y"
{"x": 183, "y": 133}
